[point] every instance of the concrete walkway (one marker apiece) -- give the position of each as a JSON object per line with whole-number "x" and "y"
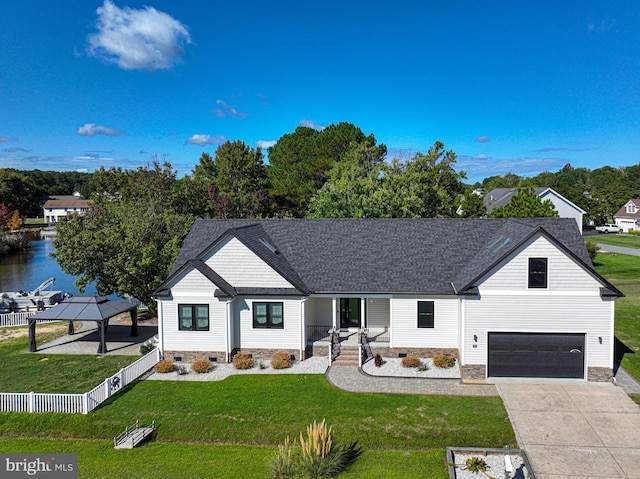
{"x": 575, "y": 430}
{"x": 351, "y": 378}
{"x": 627, "y": 382}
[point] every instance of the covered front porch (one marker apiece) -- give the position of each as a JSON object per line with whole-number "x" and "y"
{"x": 347, "y": 315}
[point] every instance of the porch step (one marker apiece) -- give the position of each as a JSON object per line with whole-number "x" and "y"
{"x": 348, "y": 356}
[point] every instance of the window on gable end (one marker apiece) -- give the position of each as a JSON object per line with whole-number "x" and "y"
{"x": 538, "y": 272}
{"x": 425, "y": 314}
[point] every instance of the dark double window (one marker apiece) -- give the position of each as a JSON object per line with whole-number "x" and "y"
{"x": 538, "y": 272}
{"x": 425, "y": 314}
{"x": 193, "y": 317}
{"x": 268, "y": 315}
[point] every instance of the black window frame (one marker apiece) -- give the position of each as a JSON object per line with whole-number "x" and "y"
{"x": 269, "y": 313}
{"x": 538, "y": 278}
{"x": 426, "y": 319}
{"x": 194, "y": 318}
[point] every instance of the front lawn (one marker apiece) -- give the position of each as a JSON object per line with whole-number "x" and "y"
{"x": 623, "y": 271}
{"x": 98, "y": 460}
{"x": 21, "y": 371}
{"x": 626, "y": 241}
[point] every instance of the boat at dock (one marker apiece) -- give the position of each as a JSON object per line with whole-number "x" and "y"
{"x": 38, "y": 299}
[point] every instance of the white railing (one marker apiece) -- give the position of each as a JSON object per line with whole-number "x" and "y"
{"x": 78, "y": 403}
{"x": 18, "y": 319}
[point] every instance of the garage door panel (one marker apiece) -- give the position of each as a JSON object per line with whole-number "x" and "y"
{"x": 550, "y": 355}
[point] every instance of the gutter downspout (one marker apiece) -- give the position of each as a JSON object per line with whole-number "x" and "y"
{"x": 303, "y": 329}
{"x": 228, "y": 329}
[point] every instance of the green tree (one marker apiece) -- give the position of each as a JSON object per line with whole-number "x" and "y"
{"x": 525, "y": 204}
{"x": 17, "y": 192}
{"x": 236, "y": 181}
{"x": 471, "y": 205}
{"x": 300, "y": 163}
{"x": 363, "y": 185}
{"x": 127, "y": 241}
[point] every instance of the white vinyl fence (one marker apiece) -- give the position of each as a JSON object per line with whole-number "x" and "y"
{"x": 79, "y": 403}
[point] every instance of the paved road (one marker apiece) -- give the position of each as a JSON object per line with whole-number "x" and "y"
{"x": 589, "y": 430}
{"x": 619, "y": 249}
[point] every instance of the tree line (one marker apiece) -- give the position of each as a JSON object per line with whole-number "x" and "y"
{"x": 132, "y": 233}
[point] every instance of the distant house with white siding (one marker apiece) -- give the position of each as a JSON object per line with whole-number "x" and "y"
{"x": 507, "y": 297}
{"x": 628, "y": 217}
{"x": 565, "y": 208}
{"x": 61, "y": 206}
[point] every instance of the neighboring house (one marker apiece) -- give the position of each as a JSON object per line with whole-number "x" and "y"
{"x": 56, "y": 207}
{"x": 628, "y": 217}
{"x": 564, "y": 207}
{"x": 508, "y": 297}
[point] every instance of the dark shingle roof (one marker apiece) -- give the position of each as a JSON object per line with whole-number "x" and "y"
{"x": 426, "y": 255}
{"x": 501, "y": 196}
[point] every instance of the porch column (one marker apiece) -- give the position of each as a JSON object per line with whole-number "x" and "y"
{"x": 335, "y": 309}
{"x": 363, "y": 309}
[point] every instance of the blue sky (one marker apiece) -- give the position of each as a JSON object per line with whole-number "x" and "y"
{"x": 524, "y": 86}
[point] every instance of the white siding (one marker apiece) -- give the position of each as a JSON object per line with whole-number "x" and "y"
{"x": 192, "y": 282}
{"x": 539, "y": 314}
{"x": 212, "y": 340}
{"x": 249, "y": 337}
{"x": 563, "y": 207}
{"x": 377, "y": 312}
{"x": 318, "y": 311}
{"x": 563, "y": 273}
{"x": 241, "y": 267}
{"x": 405, "y": 331}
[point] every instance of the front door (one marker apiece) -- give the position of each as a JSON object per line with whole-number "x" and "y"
{"x": 349, "y": 313}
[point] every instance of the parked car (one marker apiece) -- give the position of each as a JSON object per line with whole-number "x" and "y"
{"x": 608, "y": 228}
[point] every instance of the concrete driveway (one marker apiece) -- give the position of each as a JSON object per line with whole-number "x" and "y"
{"x": 575, "y": 430}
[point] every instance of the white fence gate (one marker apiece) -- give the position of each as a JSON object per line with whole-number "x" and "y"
{"x": 79, "y": 403}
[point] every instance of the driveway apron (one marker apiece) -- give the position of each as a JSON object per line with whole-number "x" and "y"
{"x": 585, "y": 430}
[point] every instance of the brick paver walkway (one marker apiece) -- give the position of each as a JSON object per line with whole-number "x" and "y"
{"x": 351, "y": 378}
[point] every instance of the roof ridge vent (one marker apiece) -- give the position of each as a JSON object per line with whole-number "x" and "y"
{"x": 271, "y": 248}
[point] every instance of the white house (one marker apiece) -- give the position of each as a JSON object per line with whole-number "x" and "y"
{"x": 628, "y": 217}
{"x": 57, "y": 207}
{"x": 565, "y": 208}
{"x": 507, "y": 297}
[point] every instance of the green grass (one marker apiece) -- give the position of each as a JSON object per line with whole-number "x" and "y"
{"x": 264, "y": 410}
{"x": 21, "y": 371}
{"x": 623, "y": 271}
{"x": 626, "y": 241}
{"x": 98, "y": 460}
{"x": 231, "y": 428}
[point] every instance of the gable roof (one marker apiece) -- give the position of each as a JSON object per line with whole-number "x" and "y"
{"x": 418, "y": 255}
{"x": 622, "y": 212}
{"x": 499, "y": 197}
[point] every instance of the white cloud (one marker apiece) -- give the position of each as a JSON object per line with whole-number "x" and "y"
{"x": 6, "y": 139}
{"x": 603, "y": 26}
{"x": 266, "y": 143}
{"x": 311, "y": 124}
{"x": 16, "y": 149}
{"x": 138, "y": 39}
{"x": 482, "y": 139}
{"x": 202, "y": 140}
{"x": 481, "y": 166}
{"x": 91, "y": 129}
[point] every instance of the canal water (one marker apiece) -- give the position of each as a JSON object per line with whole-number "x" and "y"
{"x": 25, "y": 271}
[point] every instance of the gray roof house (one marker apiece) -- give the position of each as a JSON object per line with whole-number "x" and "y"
{"x": 506, "y": 297}
{"x": 565, "y": 208}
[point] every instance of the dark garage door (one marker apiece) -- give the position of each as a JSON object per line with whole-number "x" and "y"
{"x": 535, "y": 355}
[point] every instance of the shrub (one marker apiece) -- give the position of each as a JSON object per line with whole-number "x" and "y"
{"x": 165, "y": 366}
{"x": 242, "y": 361}
{"x": 146, "y": 348}
{"x": 410, "y": 362}
{"x": 443, "y": 361}
{"x": 593, "y": 249}
{"x": 634, "y": 232}
{"x": 377, "y": 360}
{"x": 318, "y": 456}
{"x": 201, "y": 365}
{"x": 281, "y": 360}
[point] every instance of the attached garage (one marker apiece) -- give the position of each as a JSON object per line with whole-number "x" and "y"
{"x": 536, "y": 355}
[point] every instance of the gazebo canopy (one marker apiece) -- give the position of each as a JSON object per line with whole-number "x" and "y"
{"x": 85, "y": 308}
